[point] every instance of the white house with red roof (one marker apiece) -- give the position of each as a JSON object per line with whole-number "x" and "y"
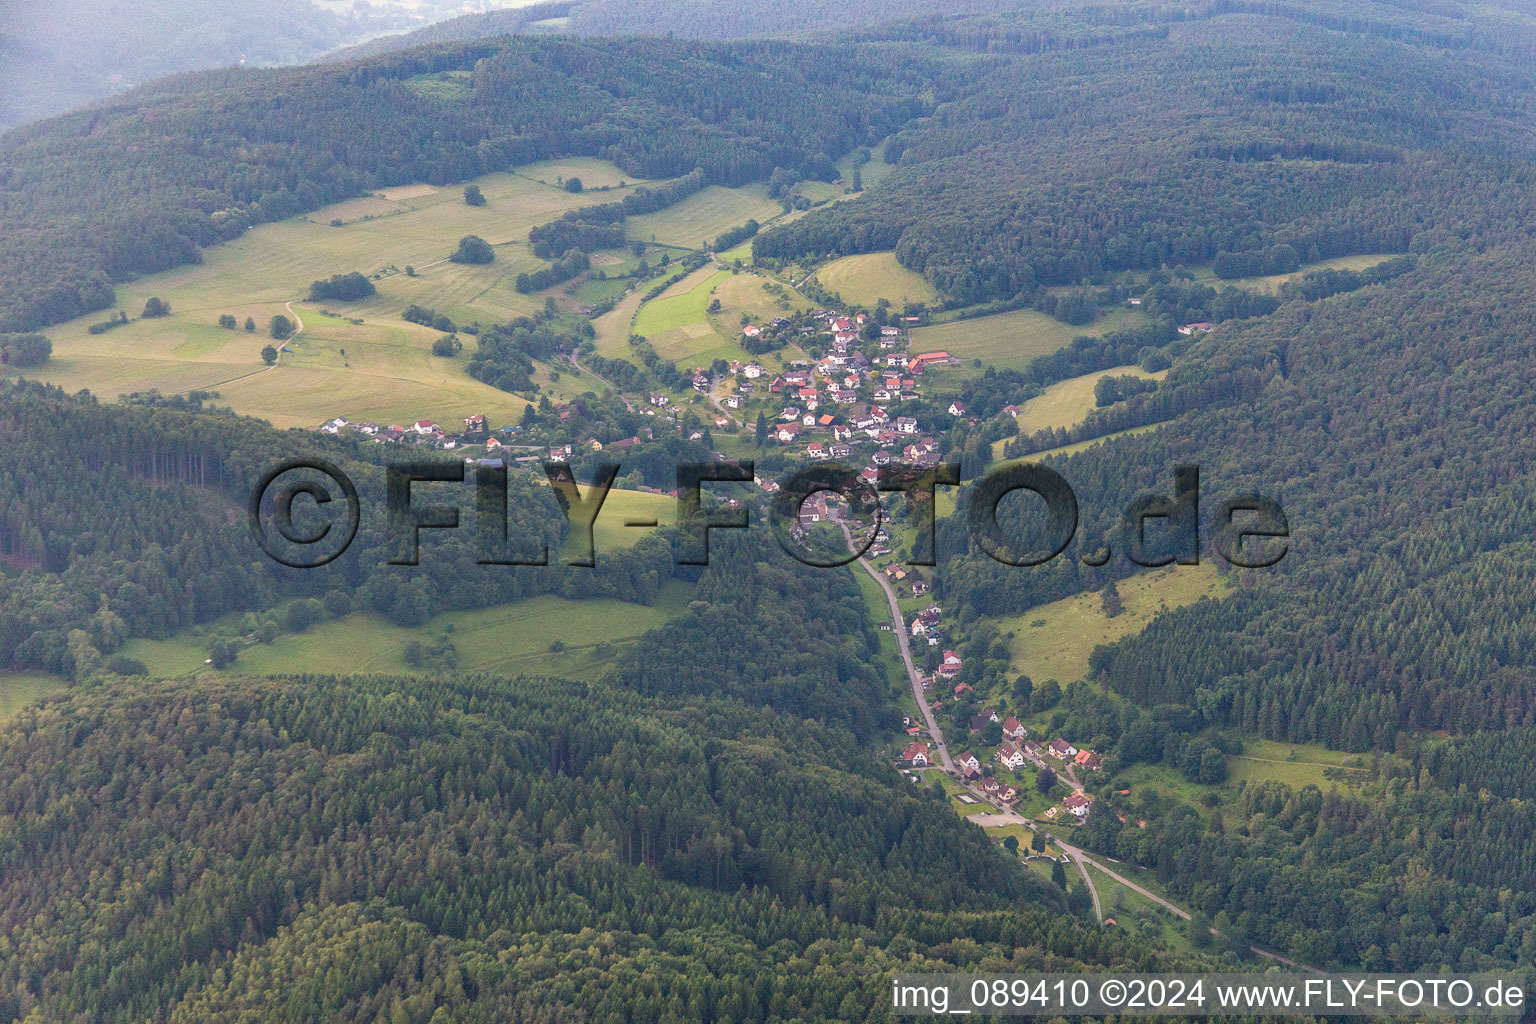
{"x": 950, "y": 666}
{"x": 1061, "y": 750}
{"x": 916, "y": 754}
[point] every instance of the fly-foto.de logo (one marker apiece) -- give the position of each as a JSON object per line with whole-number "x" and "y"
{"x": 1248, "y": 531}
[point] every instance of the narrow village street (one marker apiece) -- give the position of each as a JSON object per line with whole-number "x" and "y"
{"x": 1008, "y": 817}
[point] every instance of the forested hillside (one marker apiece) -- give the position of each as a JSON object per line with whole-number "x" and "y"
{"x": 130, "y": 521}
{"x": 472, "y": 849}
{"x": 713, "y": 809}
{"x": 1231, "y": 136}
{"x": 83, "y": 204}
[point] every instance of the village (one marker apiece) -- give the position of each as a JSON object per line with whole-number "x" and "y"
{"x": 835, "y": 407}
{"x": 1000, "y": 748}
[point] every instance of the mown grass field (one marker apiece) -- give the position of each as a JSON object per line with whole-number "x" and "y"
{"x": 741, "y": 252}
{"x": 1080, "y": 446}
{"x": 381, "y": 370}
{"x": 679, "y": 327}
{"x": 387, "y": 372}
{"x": 1014, "y": 338}
{"x": 697, "y": 221}
{"x": 513, "y": 639}
{"x": 615, "y": 326}
{"x": 867, "y": 278}
{"x": 1270, "y": 284}
{"x": 1068, "y": 630}
{"x": 23, "y": 689}
{"x": 872, "y": 173}
{"x": 1067, "y": 403}
{"x": 758, "y": 297}
{"x": 681, "y": 305}
{"x": 1295, "y": 764}
{"x": 609, "y": 531}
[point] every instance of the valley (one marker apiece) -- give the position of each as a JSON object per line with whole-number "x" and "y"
{"x": 1283, "y": 244}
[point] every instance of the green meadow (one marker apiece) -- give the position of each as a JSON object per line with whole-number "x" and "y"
{"x": 697, "y": 221}
{"x": 609, "y": 531}
{"x": 867, "y": 278}
{"x": 1295, "y": 764}
{"x": 1082, "y": 446}
{"x": 1270, "y": 284}
{"x": 1053, "y": 641}
{"x": 23, "y": 689}
{"x": 1067, "y": 403}
{"x": 380, "y": 369}
{"x": 538, "y": 636}
{"x": 1015, "y": 338}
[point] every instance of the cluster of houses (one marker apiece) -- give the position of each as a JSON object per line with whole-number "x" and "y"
{"x": 898, "y": 573}
{"x": 422, "y": 432}
{"x": 1014, "y": 752}
{"x": 928, "y": 625}
{"x": 838, "y": 403}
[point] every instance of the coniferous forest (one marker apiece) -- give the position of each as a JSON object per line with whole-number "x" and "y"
{"x": 709, "y": 828}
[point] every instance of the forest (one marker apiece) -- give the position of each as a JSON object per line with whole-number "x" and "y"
{"x": 473, "y": 849}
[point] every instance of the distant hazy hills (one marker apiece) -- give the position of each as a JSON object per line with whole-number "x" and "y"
{"x": 56, "y": 55}
{"x": 691, "y": 19}
{"x": 59, "y": 54}
{"x": 712, "y": 19}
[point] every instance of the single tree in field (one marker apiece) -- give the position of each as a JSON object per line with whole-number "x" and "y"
{"x": 1112, "y": 603}
{"x": 573, "y": 184}
{"x": 223, "y": 653}
{"x": 269, "y": 355}
{"x": 250, "y": 325}
{"x": 473, "y": 196}
{"x": 1045, "y": 781}
{"x": 228, "y": 322}
{"x": 473, "y": 249}
{"x": 156, "y": 307}
{"x": 280, "y": 328}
